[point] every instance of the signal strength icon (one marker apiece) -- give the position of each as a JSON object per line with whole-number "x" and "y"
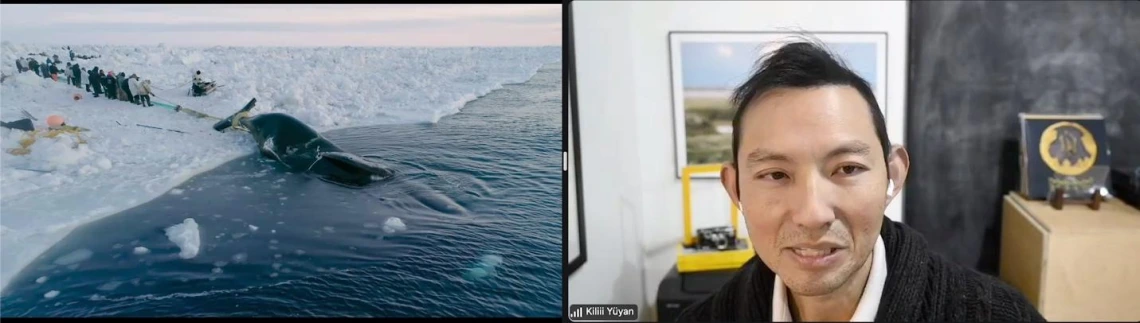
{"x": 576, "y": 314}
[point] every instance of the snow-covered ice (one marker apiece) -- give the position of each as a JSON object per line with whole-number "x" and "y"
{"x": 51, "y": 294}
{"x": 185, "y": 235}
{"x": 56, "y": 188}
{"x": 141, "y": 250}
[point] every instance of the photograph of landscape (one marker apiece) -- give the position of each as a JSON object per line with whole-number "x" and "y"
{"x": 708, "y": 66}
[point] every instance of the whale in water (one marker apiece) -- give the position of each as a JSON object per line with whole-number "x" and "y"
{"x": 293, "y": 143}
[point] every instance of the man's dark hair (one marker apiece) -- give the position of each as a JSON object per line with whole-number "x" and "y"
{"x": 803, "y": 64}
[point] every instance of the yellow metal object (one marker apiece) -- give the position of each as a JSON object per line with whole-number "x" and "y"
{"x": 689, "y": 259}
{"x": 236, "y": 121}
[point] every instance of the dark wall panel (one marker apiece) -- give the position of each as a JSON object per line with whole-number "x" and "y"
{"x": 973, "y": 66}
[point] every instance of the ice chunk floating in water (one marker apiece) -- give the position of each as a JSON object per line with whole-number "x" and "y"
{"x": 109, "y": 286}
{"x": 394, "y": 224}
{"x": 486, "y": 267}
{"x": 51, "y": 294}
{"x": 185, "y": 235}
{"x": 74, "y": 257}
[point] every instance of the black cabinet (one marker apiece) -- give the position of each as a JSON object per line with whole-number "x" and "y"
{"x": 678, "y": 291}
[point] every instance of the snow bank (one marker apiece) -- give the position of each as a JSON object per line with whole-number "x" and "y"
{"x": 324, "y": 87}
{"x": 185, "y": 236}
{"x": 47, "y": 193}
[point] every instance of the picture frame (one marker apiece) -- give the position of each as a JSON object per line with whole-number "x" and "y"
{"x": 706, "y": 66}
{"x": 574, "y": 216}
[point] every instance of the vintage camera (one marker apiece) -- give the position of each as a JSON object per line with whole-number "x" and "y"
{"x": 718, "y": 238}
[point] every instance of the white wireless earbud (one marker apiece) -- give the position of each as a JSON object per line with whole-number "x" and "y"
{"x": 739, "y": 206}
{"x": 890, "y": 188}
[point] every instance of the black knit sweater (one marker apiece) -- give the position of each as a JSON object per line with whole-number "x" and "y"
{"x": 921, "y": 286}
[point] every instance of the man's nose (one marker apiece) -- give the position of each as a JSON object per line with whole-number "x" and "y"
{"x": 815, "y": 209}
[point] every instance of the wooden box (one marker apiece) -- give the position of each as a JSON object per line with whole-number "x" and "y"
{"x": 1074, "y": 264}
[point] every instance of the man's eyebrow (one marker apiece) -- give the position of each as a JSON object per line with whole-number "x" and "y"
{"x": 854, "y": 147}
{"x": 761, "y": 155}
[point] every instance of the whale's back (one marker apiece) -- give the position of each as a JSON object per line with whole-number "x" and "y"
{"x": 295, "y": 144}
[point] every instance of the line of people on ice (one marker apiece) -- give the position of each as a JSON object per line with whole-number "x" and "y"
{"x": 120, "y": 86}
{"x": 47, "y": 69}
{"x": 96, "y": 81}
{"x": 44, "y": 69}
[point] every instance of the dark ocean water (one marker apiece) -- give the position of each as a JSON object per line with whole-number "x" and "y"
{"x": 478, "y": 194}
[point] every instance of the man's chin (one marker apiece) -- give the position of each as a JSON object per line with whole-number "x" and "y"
{"x": 816, "y": 281}
{"x": 813, "y": 284}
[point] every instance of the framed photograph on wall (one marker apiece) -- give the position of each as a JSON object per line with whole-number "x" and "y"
{"x": 574, "y": 216}
{"x": 707, "y": 66}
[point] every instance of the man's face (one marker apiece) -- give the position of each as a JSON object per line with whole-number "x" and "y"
{"x": 812, "y": 183}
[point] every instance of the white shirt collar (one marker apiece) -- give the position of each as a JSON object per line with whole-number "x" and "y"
{"x": 868, "y": 303}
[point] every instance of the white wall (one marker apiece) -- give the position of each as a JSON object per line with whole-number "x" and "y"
{"x": 630, "y": 181}
{"x": 611, "y": 185}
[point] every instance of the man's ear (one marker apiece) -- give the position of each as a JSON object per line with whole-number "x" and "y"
{"x": 898, "y": 164}
{"x": 728, "y": 179}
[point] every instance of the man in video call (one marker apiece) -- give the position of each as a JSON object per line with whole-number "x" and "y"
{"x": 813, "y": 172}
